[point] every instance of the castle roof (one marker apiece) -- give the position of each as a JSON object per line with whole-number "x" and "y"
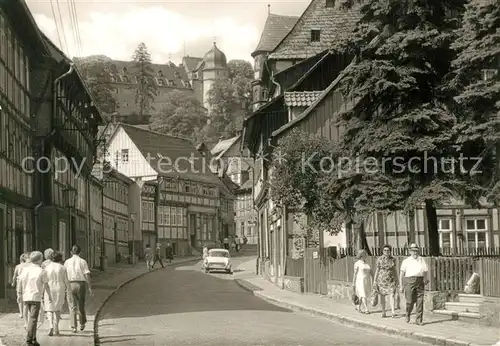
{"x": 214, "y": 59}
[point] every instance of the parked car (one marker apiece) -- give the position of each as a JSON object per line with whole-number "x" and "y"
{"x": 218, "y": 260}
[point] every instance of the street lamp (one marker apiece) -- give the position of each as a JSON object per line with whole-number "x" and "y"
{"x": 132, "y": 219}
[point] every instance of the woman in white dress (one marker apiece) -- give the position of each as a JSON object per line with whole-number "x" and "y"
{"x": 17, "y": 273}
{"x": 362, "y": 281}
{"x": 59, "y": 285}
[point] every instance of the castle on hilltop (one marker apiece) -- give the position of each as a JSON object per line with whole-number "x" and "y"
{"x": 194, "y": 75}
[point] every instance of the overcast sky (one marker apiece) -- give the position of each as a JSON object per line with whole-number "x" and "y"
{"x": 115, "y": 27}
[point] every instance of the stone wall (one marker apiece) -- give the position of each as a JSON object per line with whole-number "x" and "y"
{"x": 294, "y": 284}
{"x": 341, "y": 290}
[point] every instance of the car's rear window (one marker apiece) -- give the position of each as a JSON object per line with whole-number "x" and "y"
{"x": 218, "y": 254}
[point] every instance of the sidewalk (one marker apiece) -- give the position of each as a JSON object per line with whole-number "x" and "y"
{"x": 104, "y": 284}
{"x": 437, "y": 330}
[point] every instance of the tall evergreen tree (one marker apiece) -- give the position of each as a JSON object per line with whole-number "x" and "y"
{"x": 145, "y": 89}
{"x": 476, "y": 79}
{"x": 401, "y": 121}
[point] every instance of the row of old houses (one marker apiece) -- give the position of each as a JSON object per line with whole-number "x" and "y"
{"x": 297, "y": 70}
{"x": 46, "y": 117}
{"x": 67, "y": 177}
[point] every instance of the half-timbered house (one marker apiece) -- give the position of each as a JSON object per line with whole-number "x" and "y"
{"x": 229, "y": 160}
{"x": 118, "y": 215}
{"x": 66, "y": 145}
{"x": 461, "y": 229}
{"x": 23, "y": 77}
{"x": 297, "y": 72}
{"x": 182, "y": 202}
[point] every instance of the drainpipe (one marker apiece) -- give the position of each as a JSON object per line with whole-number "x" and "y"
{"x": 276, "y": 83}
{"x": 56, "y": 83}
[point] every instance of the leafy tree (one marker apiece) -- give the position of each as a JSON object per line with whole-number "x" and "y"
{"x": 229, "y": 101}
{"x": 94, "y": 74}
{"x": 241, "y": 76}
{"x": 400, "y": 115}
{"x": 303, "y": 167}
{"x": 145, "y": 89}
{"x": 477, "y": 82}
{"x": 182, "y": 115}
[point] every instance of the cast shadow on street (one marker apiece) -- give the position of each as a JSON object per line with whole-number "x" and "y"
{"x": 120, "y": 338}
{"x": 178, "y": 292}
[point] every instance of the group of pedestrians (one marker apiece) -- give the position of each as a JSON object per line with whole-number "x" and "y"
{"x": 43, "y": 287}
{"x": 235, "y": 244}
{"x": 152, "y": 258}
{"x": 412, "y": 281}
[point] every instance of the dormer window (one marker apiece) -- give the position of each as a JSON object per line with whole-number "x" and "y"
{"x": 315, "y": 35}
{"x": 160, "y": 73}
{"x": 187, "y": 84}
{"x": 330, "y": 3}
{"x": 160, "y": 82}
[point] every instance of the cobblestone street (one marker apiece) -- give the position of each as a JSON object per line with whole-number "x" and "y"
{"x": 12, "y": 331}
{"x": 188, "y": 307}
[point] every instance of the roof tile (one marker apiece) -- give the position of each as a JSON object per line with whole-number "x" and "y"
{"x": 301, "y": 98}
{"x": 335, "y": 25}
{"x": 275, "y": 29}
{"x": 177, "y": 153}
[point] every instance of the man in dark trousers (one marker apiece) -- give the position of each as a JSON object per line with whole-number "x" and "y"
{"x": 169, "y": 252}
{"x": 157, "y": 256}
{"x": 412, "y": 281}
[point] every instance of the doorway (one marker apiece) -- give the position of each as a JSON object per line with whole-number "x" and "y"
{"x": 192, "y": 229}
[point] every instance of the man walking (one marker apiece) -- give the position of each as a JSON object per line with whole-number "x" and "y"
{"x": 158, "y": 256}
{"x": 169, "y": 253}
{"x": 79, "y": 280}
{"x": 412, "y": 283}
{"x": 31, "y": 286}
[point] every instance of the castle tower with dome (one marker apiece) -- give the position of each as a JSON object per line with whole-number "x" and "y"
{"x": 204, "y": 72}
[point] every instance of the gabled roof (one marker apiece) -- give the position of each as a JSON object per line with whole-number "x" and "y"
{"x": 220, "y": 148}
{"x": 335, "y": 25}
{"x": 275, "y": 29}
{"x": 313, "y": 105}
{"x": 176, "y": 153}
{"x": 301, "y": 98}
{"x": 191, "y": 62}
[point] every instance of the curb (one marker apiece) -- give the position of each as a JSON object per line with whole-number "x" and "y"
{"x": 98, "y": 312}
{"x": 392, "y": 331}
